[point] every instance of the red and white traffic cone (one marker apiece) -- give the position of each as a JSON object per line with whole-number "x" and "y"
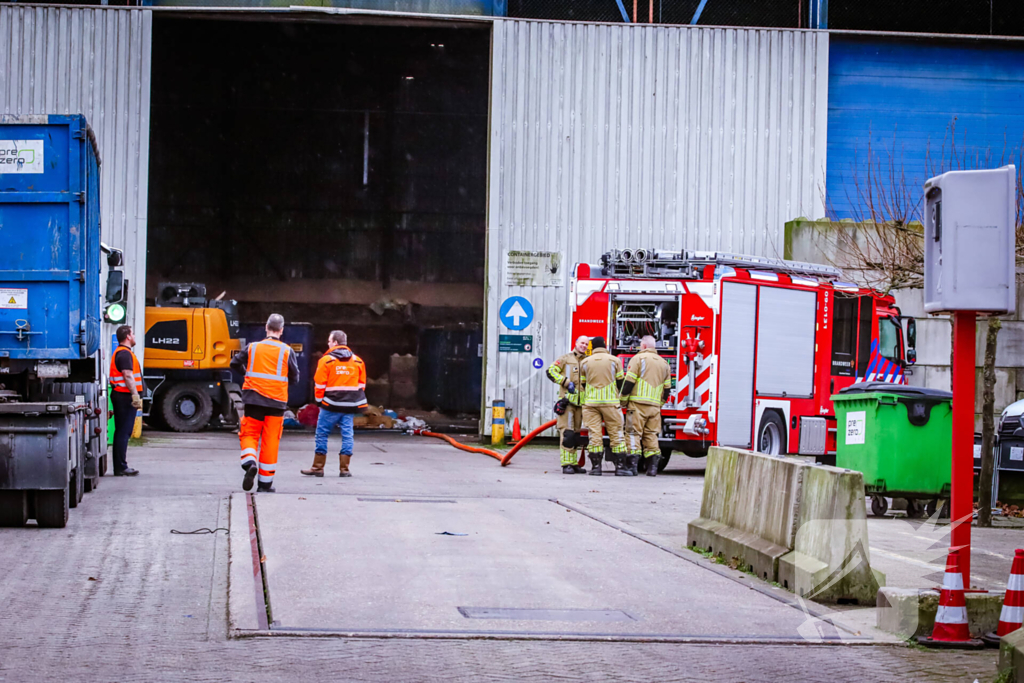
{"x": 951, "y": 630}
{"x": 517, "y": 434}
{"x": 1012, "y": 616}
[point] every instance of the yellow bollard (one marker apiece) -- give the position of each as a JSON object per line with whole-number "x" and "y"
{"x": 498, "y": 423}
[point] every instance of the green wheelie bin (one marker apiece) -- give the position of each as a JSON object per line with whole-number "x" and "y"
{"x": 901, "y": 438}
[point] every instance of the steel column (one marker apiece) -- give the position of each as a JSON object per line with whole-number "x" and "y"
{"x": 961, "y": 504}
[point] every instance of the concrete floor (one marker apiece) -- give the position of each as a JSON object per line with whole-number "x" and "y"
{"x": 353, "y": 563}
{"x": 115, "y": 596}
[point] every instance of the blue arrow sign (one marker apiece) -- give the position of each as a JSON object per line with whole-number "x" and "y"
{"x": 516, "y": 313}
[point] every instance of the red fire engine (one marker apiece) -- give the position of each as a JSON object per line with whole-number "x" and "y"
{"x": 757, "y": 345}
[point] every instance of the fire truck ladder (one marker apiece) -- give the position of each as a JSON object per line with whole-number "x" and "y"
{"x": 651, "y": 263}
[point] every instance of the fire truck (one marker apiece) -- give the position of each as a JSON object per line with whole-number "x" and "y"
{"x": 757, "y": 345}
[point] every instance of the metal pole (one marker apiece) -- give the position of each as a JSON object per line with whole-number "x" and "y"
{"x": 961, "y": 504}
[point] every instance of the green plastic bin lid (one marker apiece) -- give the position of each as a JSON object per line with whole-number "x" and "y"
{"x": 902, "y": 390}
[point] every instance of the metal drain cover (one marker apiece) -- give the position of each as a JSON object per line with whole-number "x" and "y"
{"x": 519, "y": 614}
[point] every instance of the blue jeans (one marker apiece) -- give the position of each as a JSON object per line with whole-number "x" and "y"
{"x": 325, "y": 424}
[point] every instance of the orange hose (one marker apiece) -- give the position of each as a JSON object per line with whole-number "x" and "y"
{"x": 486, "y": 451}
{"x": 462, "y": 446}
{"x": 526, "y": 439}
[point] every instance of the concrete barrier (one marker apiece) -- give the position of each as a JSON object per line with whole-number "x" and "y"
{"x": 830, "y": 559}
{"x": 1011, "y": 656}
{"x": 910, "y": 612}
{"x": 790, "y": 521}
{"x": 747, "y": 510}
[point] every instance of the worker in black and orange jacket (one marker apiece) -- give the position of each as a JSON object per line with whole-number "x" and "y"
{"x": 125, "y": 396}
{"x": 340, "y": 390}
{"x": 269, "y": 368}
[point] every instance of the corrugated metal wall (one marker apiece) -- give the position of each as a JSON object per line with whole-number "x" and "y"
{"x": 93, "y": 61}
{"x": 892, "y": 105}
{"x": 605, "y": 136}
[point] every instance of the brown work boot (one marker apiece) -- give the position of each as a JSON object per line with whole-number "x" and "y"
{"x": 344, "y": 460}
{"x": 317, "y": 470}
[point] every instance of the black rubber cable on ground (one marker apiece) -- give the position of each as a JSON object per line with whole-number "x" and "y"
{"x": 204, "y": 530}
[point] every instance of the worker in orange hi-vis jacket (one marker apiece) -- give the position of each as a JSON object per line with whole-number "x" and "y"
{"x": 269, "y": 368}
{"x": 341, "y": 392}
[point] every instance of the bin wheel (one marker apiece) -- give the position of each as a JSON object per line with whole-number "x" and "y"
{"x": 52, "y": 508}
{"x": 879, "y": 506}
{"x": 914, "y": 508}
{"x": 13, "y": 508}
{"x": 933, "y": 504}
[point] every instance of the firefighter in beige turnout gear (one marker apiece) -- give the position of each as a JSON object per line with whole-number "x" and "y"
{"x": 601, "y": 378}
{"x": 565, "y": 372}
{"x": 647, "y": 386}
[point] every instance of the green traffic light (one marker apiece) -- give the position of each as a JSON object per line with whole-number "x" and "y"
{"x": 115, "y": 313}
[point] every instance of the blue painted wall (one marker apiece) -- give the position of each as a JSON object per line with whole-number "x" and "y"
{"x": 900, "y": 97}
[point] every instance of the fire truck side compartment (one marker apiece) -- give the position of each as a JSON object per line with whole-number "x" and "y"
{"x": 785, "y": 342}
{"x": 736, "y": 364}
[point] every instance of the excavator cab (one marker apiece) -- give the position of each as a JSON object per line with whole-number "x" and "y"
{"x": 189, "y": 345}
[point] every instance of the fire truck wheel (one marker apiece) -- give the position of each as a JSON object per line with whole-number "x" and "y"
{"x": 771, "y": 435}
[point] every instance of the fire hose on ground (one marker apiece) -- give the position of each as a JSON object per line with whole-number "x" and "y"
{"x": 504, "y": 459}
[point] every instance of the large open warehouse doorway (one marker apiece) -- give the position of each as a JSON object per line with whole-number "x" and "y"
{"x": 335, "y": 173}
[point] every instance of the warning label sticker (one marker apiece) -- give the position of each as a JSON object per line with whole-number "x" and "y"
{"x": 856, "y": 427}
{"x": 13, "y": 298}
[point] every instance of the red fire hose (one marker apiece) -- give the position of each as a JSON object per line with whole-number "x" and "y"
{"x": 486, "y": 451}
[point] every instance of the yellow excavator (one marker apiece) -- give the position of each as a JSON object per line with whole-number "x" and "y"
{"x": 189, "y": 345}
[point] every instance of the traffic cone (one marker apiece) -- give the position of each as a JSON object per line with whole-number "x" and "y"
{"x": 517, "y": 434}
{"x": 1012, "y": 616}
{"x": 951, "y": 630}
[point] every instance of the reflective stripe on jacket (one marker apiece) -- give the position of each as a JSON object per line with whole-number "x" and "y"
{"x": 600, "y": 373}
{"x": 564, "y": 370}
{"x": 266, "y": 373}
{"x": 117, "y": 379}
{"x": 651, "y": 375}
{"x": 341, "y": 381}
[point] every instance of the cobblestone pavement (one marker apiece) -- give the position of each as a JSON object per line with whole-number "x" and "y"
{"x": 117, "y": 597}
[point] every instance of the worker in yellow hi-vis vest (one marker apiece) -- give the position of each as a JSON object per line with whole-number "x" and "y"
{"x": 601, "y": 376}
{"x": 647, "y": 386}
{"x": 565, "y": 372}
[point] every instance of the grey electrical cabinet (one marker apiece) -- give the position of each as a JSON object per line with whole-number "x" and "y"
{"x": 969, "y": 241}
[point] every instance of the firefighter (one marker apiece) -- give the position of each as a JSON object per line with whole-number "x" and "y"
{"x": 647, "y": 386}
{"x": 269, "y": 367}
{"x": 601, "y": 378}
{"x": 565, "y": 372}
{"x": 126, "y": 397}
{"x": 341, "y": 392}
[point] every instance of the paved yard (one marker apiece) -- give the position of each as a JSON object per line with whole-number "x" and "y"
{"x": 117, "y": 597}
